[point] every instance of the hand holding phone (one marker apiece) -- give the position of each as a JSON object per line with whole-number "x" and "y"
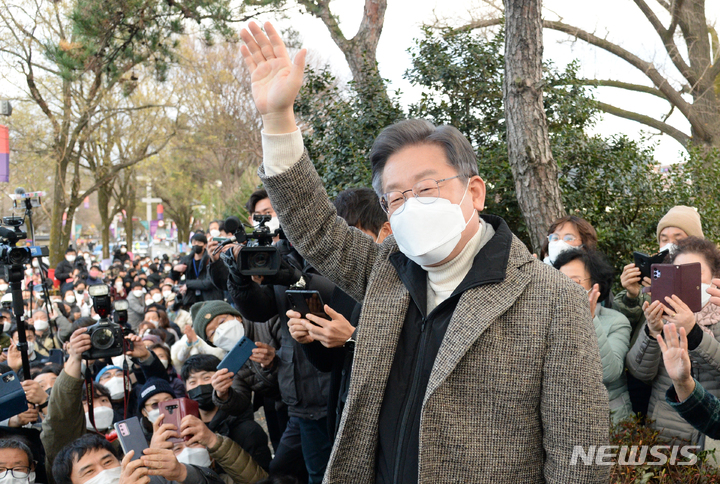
{"x": 237, "y": 357}
{"x": 131, "y": 437}
{"x": 175, "y": 410}
{"x": 307, "y": 302}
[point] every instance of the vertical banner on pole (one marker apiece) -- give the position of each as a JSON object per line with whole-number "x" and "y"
{"x": 4, "y": 154}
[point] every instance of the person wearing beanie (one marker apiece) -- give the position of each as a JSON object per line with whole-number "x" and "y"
{"x": 152, "y": 393}
{"x": 205, "y": 274}
{"x": 680, "y": 222}
{"x": 191, "y": 343}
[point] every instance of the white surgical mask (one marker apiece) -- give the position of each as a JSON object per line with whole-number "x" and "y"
{"x": 70, "y": 299}
{"x": 119, "y": 359}
{"x": 108, "y": 476}
{"x": 195, "y": 456}
{"x": 115, "y": 387}
{"x": 4, "y": 287}
{"x": 670, "y": 247}
{"x": 137, "y": 293}
{"x": 167, "y": 294}
{"x": 273, "y": 224}
{"x": 557, "y": 247}
{"x": 103, "y": 418}
{"x": 119, "y": 285}
{"x": 70, "y": 258}
{"x": 228, "y": 334}
{"x": 31, "y": 347}
{"x": 41, "y": 325}
{"x": 703, "y": 292}
{"x": 157, "y": 297}
{"x": 148, "y": 301}
{"x": 6, "y": 326}
{"x": 164, "y": 362}
{"x": 428, "y": 233}
{"x": 153, "y": 415}
{"x": 9, "y": 479}
{"x": 215, "y": 233}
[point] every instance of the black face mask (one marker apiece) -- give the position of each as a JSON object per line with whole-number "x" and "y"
{"x": 198, "y": 249}
{"x": 202, "y": 394}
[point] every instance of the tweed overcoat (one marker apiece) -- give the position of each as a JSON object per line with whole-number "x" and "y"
{"x": 517, "y": 382}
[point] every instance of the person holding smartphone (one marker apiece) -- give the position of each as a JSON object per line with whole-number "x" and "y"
{"x": 645, "y": 360}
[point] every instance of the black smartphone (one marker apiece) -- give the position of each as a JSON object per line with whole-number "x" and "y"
{"x": 307, "y": 302}
{"x": 131, "y": 437}
{"x": 644, "y": 262}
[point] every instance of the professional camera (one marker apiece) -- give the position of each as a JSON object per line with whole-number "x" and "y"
{"x": 107, "y": 338}
{"x": 11, "y": 255}
{"x": 259, "y": 257}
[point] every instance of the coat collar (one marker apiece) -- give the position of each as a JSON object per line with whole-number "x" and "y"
{"x": 489, "y": 265}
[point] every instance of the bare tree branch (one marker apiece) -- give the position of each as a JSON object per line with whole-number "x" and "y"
{"x": 681, "y": 137}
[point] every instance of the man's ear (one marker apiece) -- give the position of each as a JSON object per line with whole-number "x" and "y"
{"x": 478, "y": 191}
{"x": 385, "y": 230}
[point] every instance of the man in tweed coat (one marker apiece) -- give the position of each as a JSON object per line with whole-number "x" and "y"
{"x": 474, "y": 362}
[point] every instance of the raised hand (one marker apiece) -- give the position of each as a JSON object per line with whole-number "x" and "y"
{"x": 276, "y": 80}
{"x": 677, "y": 360}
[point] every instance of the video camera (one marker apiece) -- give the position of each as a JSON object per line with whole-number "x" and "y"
{"x": 9, "y": 253}
{"x": 106, "y": 337}
{"x": 259, "y": 257}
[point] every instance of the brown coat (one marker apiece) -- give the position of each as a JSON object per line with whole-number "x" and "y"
{"x": 517, "y": 382}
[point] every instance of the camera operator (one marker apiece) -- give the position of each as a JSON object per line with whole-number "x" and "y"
{"x": 199, "y": 270}
{"x": 303, "y": 388}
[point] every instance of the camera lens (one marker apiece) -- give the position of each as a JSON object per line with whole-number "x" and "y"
{"x": 259, "y": 260}
{"x": 102, "y": 338}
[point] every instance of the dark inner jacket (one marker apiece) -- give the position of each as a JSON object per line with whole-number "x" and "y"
{"x": 247, "y": 433}
{"x": 420, "y": 339}
{"x": 199, "y": 279}
{"x": 304, "y": 389}
{"x": 336, "y": 361}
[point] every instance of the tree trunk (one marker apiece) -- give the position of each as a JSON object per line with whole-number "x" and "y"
{"x": 104, "y": 197}
{"x": 129, "y": 224}
{"x": 534, "y": 169}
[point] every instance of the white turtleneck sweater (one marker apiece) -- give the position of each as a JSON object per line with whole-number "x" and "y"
{"x": 444, "y": 279}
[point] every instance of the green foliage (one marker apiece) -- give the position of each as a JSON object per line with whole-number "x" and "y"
{"x": 343, "y": 126}
{"x": 613, "y": 183}
{"x": 110, "y": 37}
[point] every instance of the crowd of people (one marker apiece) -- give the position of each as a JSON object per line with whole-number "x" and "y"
{"x": 441, "y": 348}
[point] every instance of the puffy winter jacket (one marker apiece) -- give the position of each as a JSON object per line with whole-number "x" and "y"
{"x": 613, "y": 334}
{"x": 645, "y": 362}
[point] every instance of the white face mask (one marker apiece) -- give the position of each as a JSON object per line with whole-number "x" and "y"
{"x": 167, "y": 294}
{"x": 108, "y": 476}
{"x": 273, "y": 224}
{"x": 118, "y": 361}
{"x": 70, "y": 258}
{"x": 165, "y": 363}
{"x": 148, "y": 301}
{"x": 4, "y": 287}
{"x": 119, "y": 285}
{"x": 70, "y": 299}
{"x": 215, "y": 233}
{"x": 6, "y": 326}
{"x": 31, "y": 348}
{"x": 704, "y": 294}
{"x": 157, "y": 297}
{"x": 427, "y": 247}
{"x": 137, "y": 293}
{"x": 557, "y": 247}
{"x": 228, "y": 334}
{"x": 103, "y": 418}
{"x": 195, "y": 456}
{"x": 41, "y": 325}
{"x": 115, "y": 387}
{"x": 670, "y": 247}
{"x": 153, "y": 415}
{"x": 9, "y": 479}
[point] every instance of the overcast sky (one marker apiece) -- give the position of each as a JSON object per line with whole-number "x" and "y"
{"x": 620, "y": 21}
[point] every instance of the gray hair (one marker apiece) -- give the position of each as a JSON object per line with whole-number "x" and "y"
{"x": 39, "y": 311}
{"x": 18, "y": 445}
{"x": 459, "y": 151}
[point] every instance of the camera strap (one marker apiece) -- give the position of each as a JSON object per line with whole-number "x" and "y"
{"x": 90, "y": 392}
{"x": 126, "y": 378}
